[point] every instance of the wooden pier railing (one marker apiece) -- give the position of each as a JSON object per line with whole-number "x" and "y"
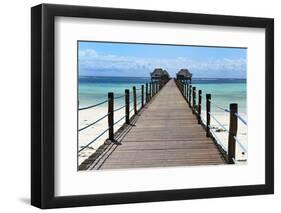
{"x": 142, "y": 100}
{"x": 189, "y": 91}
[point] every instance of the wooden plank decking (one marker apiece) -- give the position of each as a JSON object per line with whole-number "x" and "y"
{"x": 164, "y": 133}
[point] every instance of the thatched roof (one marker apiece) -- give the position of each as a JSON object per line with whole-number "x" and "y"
{"x": 184, "y": 73}
{"x": 165, "y": 73}
{"x": 158, "y": 72}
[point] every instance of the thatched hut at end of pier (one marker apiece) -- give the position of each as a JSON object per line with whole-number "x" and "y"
{"x": 159, "y": 74}
{"x": 184, "y": 75}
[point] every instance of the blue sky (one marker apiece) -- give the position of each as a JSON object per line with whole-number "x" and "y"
{"x": 138, "y": 60}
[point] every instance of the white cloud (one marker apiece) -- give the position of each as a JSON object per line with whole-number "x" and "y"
{"x": 90, "y": 60}
{"x": 88, "y": 53}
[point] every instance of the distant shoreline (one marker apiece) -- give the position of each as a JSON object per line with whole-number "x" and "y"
{"x": 194, "y": 78}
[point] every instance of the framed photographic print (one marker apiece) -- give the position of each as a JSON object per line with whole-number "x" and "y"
{"x": 139, "y": 106}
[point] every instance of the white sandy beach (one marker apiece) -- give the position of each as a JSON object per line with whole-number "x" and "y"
{"x": 222, "y": 135}
{"x": 87, "y": 117}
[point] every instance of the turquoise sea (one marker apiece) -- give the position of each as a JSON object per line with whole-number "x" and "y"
{"x": 94, "y": 89}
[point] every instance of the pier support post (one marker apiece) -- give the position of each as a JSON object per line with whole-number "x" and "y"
{"x": 135, "y": 99}
{"x": 142, "y": 96}
{"x": 189, "y": 97}
{"x": 150, "y": 91}
{"x": 110, "y": 116}
{"x": 208, "y": 117}
{"x": 233, "y": 108}
{"x": 158, "y": 87}
{"x": 187, "y": 89}
{"x": 184, "y": 86}
{"x": 127, "y": 106}
{"x": 199, "y": 105}
{"x": 193, "y": 100}
{"x": 146, "y": 93}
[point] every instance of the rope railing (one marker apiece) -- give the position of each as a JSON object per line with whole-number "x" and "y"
{"x": 218, "y": 122}
{"x": 84, "y": 147}
{"x": 119, "y": 120}
{"x": 134, "y": 95}
{"x": 121, "y": 96}
{"x": 103, "y": 117}
{"x": 190, "y": 95}
{"x": 226, "y": 110}
{"x": 241, "y": 119}
{"x": 221, "y": 125}
{"x": 240, "y": 144}
{"x": 92, "y": 106}
{"x": 115, "y": 110}
{"x": 223, "y": 109}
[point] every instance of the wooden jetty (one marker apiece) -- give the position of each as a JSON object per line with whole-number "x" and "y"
{"x": 165, "y": 132}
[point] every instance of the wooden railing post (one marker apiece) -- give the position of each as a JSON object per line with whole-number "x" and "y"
{"x": 184, "y": 89}
{"x": 110, "y": 116}
{"x": 135, "y": 99}
{"x": 208, "y": 117}
{"x": 142, "y": 96}
{"x": 150, "y": 91}
{"x": 199, "y": 105}
{"x": 158, "y": 87}
{"x": 127, "y": 105}
{"x": 146, "y": 93}
{"x": 189, "y": 97}
{"x": 187, "y": 89}
{"x": 193, "y": 99}
{"x": 233, "y": 108}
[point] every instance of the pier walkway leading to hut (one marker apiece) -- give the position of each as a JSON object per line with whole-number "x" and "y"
{"x": 164, "y": 133}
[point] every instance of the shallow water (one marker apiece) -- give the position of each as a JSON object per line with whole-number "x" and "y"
{"x": 93, "y": 90}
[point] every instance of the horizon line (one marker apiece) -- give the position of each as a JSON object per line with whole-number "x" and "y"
{"x": 149, "y": 77}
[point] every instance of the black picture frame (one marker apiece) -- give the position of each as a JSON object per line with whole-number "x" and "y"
{"x": 43, "y": 102}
